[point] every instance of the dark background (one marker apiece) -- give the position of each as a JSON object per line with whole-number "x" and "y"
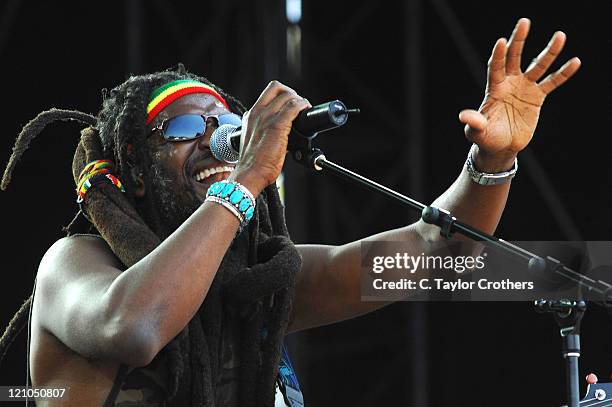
{"x": 411, "y": 67}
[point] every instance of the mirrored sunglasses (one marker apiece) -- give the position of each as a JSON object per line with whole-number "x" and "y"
{"x": 192, "y": 126}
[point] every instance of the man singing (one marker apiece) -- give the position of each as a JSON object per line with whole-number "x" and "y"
{"x": 177, "y": 281}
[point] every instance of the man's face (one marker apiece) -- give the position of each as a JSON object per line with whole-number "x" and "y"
{"x": 182, "y": 171}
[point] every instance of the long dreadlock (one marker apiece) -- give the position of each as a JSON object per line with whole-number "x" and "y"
{"x": 118, "y": 133}
{"x": 27, "y": 134}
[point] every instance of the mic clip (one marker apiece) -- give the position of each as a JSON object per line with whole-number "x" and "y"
{"x": 310, "y": 123}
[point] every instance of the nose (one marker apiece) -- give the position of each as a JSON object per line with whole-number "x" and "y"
{"x": 204, "y": 142}
{"x": 211, "y": 126}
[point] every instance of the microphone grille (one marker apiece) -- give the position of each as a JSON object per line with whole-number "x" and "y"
{"x": 220, "y": 145}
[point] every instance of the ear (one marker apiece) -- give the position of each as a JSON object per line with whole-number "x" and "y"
{"x": 139, "y": 184}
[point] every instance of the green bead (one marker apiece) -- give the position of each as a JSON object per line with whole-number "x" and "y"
{"x": 227, "y": 189}
{"x": 236, "y": 196}
{"x": 215, "y": 188}
{"x": 244, "y": 204}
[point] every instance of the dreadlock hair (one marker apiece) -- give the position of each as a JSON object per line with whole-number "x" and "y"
{"x": 258, "y": 278}
{"x": 27, "y": 134}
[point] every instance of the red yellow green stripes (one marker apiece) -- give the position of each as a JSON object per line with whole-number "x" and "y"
{"x": 94, "y": 166}
{"x": 174, "y": 90}
{"x": 94, "y": 173}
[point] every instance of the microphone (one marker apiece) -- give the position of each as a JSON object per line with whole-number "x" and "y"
{"x": 225, "y": 140}
{"x": 225, "y": 143}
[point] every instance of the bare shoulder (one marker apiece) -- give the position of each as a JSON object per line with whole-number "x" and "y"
{"x": 77, "y": 261}
{"x": 69, "y": 302}
{"x": 77, "y": 253}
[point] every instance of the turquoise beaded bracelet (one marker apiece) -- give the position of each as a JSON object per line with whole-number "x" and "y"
{"x": 235, "y": 197}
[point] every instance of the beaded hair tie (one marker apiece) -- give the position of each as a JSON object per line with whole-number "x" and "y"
{"x": 95, "y": 173}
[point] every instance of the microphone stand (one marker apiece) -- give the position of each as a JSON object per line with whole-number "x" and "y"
{"x": 567, "y": 314}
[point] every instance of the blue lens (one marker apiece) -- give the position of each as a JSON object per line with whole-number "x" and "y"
{"x": 230, "y": 118}
{"x": 184, "y": 127}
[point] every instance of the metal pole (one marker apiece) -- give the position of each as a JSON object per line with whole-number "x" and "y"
{"x": 415, "y": 129}
{"x": 7, "y": 18}
{"x": 133, "y": 35}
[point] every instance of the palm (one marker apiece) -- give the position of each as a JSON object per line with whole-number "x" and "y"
{"x": 508, "y": 115}
{"x": 512, "y": 109}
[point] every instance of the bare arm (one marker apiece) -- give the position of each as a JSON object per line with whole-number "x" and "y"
{"x": 328, "y": 288}
{"x": 94, "y": 308}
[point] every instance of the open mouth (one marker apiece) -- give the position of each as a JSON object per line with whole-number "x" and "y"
{"x": 209, "y": 176}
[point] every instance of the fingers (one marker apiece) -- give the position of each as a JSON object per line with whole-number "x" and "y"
{"x": 292, "y": 108}
{"x": 265, "y": 134}
{"x": 475, "y": 124}
{"x": 281, "y": 99}
{"x": 275, "y": 108}
{"x": 271, "y": 91}
{"x": 473, "y": 119}
{"x": 515, "y": 46}
{"x": 540, "y": 65}
{"x": 496, "y": 70}
{"x": 556, "y": 79}
{"x": 275, "y": 98}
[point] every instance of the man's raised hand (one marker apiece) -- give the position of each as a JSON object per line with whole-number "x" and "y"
{"x": 506, "y": 120}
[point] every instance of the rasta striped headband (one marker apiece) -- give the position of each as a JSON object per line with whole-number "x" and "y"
{"x": 174, "y": 90}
